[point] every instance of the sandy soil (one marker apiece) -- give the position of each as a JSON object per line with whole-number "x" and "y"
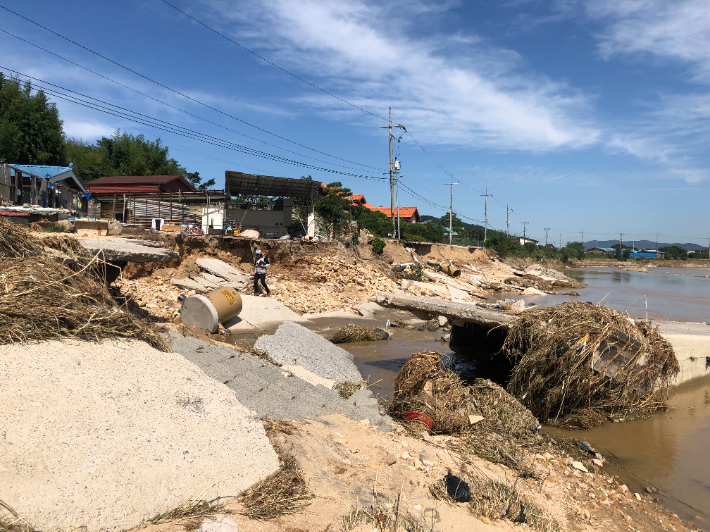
{"x": 349, "y": 464}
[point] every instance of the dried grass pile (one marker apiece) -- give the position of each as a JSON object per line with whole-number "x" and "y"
{"x": 355, "y": 333}
{"x": 507, "y": 430}
{"x": 579, "y": 365}
{"x": 41, "y": 299}
{"x": 285, "y": 492}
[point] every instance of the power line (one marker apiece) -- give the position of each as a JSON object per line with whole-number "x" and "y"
{"x": 140, "y": 118}
{"x": 178, "y": 92}
{"x": 165, "y": 103}
{"x": 271, "y": 62}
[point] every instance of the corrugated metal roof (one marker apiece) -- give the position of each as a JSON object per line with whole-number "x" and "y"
{"x": 239, "y": 183}
{"x": 123, "y": 189}
{"x": 137, "y": 180}
{"x": 40, "y": 170}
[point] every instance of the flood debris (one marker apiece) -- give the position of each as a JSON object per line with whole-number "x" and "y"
{"x": 488, "y": 421}
{"x": 44, "y": 300}
{"x": 355, "y": 333}
{"x": 580, "y": 365}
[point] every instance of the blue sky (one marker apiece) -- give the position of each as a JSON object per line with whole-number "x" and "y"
{"x": 581, "y": 115}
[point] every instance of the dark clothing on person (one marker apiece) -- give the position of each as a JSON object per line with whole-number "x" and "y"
{"x": 260, "y": 277}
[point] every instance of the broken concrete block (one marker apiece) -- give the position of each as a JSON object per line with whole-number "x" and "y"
{"x": 518, "y": 306}
{"x": 457, "y": 294}
{"x": 472, "y": 420}
{"x": 530, "y": 291}
{"x": 443, "y": 320}
{"x": 221, "y": 269}
{"x": 189, "y": 284}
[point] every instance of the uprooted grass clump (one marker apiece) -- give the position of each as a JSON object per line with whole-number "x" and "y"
{"x": 490, "y": 422}
{"x": 496, "y": 500}
{"x": 347, "y": 388}
{"x": 285, "y": 492}
{"x": 192, "y": 511}
{"x": 41, "y": 299}
{"x": 579, "y": 364}
{"x": 355, "y": 333}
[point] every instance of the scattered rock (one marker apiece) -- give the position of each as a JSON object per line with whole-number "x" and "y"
{"x": 579, "y": 466}
{"x": 443, "y": 321}
{"x": 472, "y": 420}
{"x": 518, "y": 306}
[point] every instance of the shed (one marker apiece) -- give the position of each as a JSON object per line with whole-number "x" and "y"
{"x": 145, "y": 184}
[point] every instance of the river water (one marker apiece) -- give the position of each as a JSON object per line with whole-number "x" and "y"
{"x": 669, "y": 450}
{"x": 681, "y": 294}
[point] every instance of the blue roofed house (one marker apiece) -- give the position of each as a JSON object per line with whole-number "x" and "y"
{"x": 44, "y": 186}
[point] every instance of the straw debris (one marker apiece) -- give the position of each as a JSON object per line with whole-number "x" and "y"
{"x": 43, "y": 300}
{"x": 285, "y": 492}
{"x": 355, "y": 333}
{"x": 580, "y": 365}
{"x": 425, "y": 385}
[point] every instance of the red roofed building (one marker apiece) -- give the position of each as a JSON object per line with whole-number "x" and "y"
{"x": 409, "y": 215}
{"x": 149, "y": 184}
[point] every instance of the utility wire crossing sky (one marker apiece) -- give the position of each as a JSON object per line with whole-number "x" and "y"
{"x": 578, "y": 115}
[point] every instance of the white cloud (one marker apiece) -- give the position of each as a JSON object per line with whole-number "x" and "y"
{"x": 86, "y": 130}
{"x": 669, "y": 29}
{"x": 450, "y": 89}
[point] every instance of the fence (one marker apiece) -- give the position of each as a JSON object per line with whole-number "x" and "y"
{"x": 142, "y": 211}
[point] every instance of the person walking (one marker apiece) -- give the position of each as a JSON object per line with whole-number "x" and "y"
{"x": 260, "y": 273}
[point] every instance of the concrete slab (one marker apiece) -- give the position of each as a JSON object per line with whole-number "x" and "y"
{"x": 205, "y": 282}
{"x": 221, "y": 269}
{"x": 266, "y": 389}
{"x": 458, "y": 310}
{"x": 189, "y": 284}
{"x": 293, "y": 344}
{"x": 368, "y": 309}
{"x": 333, "y": 314}
{"x": 691, "y": 343}
{"x": 259, "y": 312}
{"x": 118, "y": 432}
{"x": 124, "y": 250}
{"x": 212, "y": 278}
{"x": 458, "y": 294}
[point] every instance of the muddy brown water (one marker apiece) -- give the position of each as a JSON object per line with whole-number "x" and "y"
{"x": 681, "y": 294}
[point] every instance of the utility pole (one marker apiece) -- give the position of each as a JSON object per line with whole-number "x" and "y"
{"x": 507, "y": 220}
{"x": 399, "y": 231}
{"x": 621, "y": 244}
{"x": 560, "y": 241}
{"x": 657, "y": 235}
{"x": 583, "y": 250}
{"x": 524, "y": 237}
{"x": 546, "y": 230}
{"x": 485, "y": 229}
{"x": 392, "y": 168}
{"x": 451, "y": 209}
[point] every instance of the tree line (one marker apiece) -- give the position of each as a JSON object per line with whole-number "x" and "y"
{"x": 31, "y": 132}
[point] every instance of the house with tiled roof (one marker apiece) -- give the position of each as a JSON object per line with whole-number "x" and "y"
{"x": 409, "y": 215}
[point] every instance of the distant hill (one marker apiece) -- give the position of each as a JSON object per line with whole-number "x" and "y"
{"x": 641, "y": 244}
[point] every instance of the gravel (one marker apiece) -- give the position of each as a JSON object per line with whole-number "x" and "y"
{"x": 272, "y": 391}
{"x": 294, "y": 344}
{"x": 109, "y": 435}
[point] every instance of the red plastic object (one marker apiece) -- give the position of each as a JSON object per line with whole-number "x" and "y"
{"x": 418, "y": 416}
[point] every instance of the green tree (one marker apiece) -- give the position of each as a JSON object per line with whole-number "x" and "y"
{"x": 196, "y": 180}
{"x": 122, "y": 154}
{"x": 374, "y": 221}
{"x": 674, "y": 252}
{"x": 30, "y": 128}
{"x": 577, "y": 250}
{"x": 334, "y": 206}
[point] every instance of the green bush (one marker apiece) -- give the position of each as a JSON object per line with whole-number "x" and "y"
{"x": 378, "y": 246}
{"x": 355, "y": 239}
